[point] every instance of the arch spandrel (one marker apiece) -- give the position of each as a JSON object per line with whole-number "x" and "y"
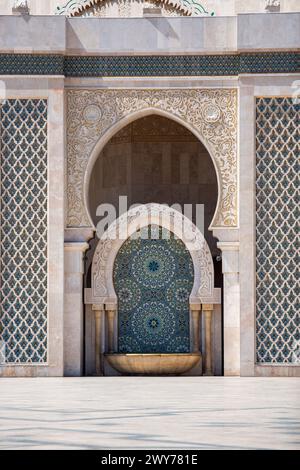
{"x": 94, "y": 116}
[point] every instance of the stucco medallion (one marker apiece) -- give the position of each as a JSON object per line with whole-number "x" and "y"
{"x": 92, "y": 113}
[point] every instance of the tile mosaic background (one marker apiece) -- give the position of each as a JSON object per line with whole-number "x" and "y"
{"x": 23, "y": 230}
{"x": 277, "y": 231}
{"x": 143, "y": 66}
{"x": 153, "y": 280}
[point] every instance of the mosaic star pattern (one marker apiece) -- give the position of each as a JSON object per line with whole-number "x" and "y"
{"x": 153, "y": 278}
{"x": 23, "y": 230}
{"x": 277, "y": 231}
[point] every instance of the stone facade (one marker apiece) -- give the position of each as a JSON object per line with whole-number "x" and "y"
{"x": 99, "y": 114}
{"x": 88, "y": 107}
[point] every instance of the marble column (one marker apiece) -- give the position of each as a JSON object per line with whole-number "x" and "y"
{"x": 73, "y": 308}
{"x": 230, "y": 266}
{"x": 207, "y": 311}
{"x": 195, "y": 314}
{"x": 99, "y": 338}
{"x": 111, "y": 329}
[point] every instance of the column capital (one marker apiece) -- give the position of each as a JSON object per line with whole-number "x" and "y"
{"x": 207, "y": 307}
{"x": 229, "y": 246}
{"x": 195, "y": 307}
{"x": 79, "y": 247}
{"x": 74, "y": 257}
{"x": 111, "y": 307}
{"x": 81, "y": 234}
{"x": 230, "y": 257}
{"x": 98, "y": 308}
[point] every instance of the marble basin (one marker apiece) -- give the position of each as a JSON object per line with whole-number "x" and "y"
{"x": 153, "y": 364}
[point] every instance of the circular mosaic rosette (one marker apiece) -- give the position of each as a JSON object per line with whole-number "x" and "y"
{"x": 153, "y": 278}
{"x": 129, "y": 294}
{"x": 178, "y": 293}
{"x": 155, "y": 265}
{"x": 155, "y": 322}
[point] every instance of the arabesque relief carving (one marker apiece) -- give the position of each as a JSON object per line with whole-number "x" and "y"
{"x": 210, "y": 114}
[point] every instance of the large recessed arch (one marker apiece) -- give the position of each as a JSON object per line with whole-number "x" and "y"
{"x": 112, "y": 131}
{"x": 94, "y": 116}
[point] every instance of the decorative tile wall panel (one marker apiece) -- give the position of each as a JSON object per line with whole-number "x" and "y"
{"x": 153, "y": 279}
{"x": 277, "y": 231}
{"x": 23, "y": 230}
{"x": 150, "y": 65}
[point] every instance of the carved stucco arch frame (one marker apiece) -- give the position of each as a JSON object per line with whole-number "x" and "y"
{"x": 102, "y": 290}
{"x": 115, "y": 129}
{"x": 94, "y": 116}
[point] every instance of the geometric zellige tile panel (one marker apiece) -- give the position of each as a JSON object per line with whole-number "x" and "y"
{"x": 23, "y": 230}
{"x": 277, "y": 231}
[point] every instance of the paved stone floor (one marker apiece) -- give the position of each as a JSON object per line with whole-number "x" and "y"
{"x": 150, "y": 413}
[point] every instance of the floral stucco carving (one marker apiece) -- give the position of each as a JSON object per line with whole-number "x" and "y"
{"x": 210, "y": 114}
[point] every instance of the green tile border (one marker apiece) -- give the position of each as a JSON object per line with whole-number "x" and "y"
{"x": 147, "y": 66}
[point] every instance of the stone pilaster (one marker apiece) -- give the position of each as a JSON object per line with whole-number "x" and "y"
{"x": 99, "y": 337}
{"x": 73, "y": 311}
{"x": 230, "y": 266}
{"x": 111, "y": 317}
{"x": 195, "y": 328}
{"x": 207, "y": 311}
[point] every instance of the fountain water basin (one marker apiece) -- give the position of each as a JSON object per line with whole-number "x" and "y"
{"x": 153, "y": 364}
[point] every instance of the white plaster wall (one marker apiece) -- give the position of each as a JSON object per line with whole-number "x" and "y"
{"x": 162, "y": 35}
{"x": 25, "y": 34}
{"x": 268, "y": 31}
{"x": 180, "y": 35}
{"x": 183, "y": 35}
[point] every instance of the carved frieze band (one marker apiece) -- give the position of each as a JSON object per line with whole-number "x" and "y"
{"x": 210, "y": 114}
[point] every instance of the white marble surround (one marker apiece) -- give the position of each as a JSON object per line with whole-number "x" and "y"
{"x": 239, "y": 242}
{"x": 181, "y": 35}
{"x": 58, "y": 35}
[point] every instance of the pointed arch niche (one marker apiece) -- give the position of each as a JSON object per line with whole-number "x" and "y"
{"x": 94, "y": 116}
{"x": 102, "y": 289}
{"x": 103, "y": 298}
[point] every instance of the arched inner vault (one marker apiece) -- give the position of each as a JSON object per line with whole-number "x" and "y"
{"x": 94, "y": 116}
{"x": 103, "y": 291}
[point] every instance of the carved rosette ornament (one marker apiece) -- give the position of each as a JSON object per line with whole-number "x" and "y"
{"x": 210, "y": 114}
